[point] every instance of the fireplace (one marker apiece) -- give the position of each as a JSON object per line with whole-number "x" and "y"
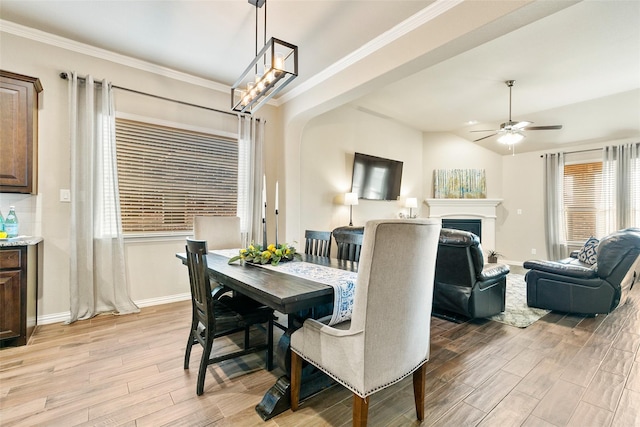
{"x": 483, "y": 210}
{"x": 471, "y": 225}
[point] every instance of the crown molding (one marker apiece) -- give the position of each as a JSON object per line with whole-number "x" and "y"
{"x": 410, "y": 24}
{"x": 85, "y": 49}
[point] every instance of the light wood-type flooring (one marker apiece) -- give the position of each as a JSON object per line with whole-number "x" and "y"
{"x": 127, "y": 370}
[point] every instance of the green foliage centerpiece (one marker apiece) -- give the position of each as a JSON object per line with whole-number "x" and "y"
{"x": 273, "y": 254}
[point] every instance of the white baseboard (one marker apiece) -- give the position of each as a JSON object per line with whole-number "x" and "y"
{"x": 64, "y": 316}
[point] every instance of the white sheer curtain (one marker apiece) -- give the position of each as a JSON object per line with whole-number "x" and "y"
{"x": 621, "y": 186}
{"x": 250, "y": 178}
{"x": 554, "y": 206}
{"x": 98, "y": 278}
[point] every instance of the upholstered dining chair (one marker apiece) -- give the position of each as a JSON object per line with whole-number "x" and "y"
{"x": 220, "y": 232}
{"x": 387, "y": 338}
{"x": 317, "y": 243}
{"x": 349, "y": 246}
{"x": 214, "y": 317}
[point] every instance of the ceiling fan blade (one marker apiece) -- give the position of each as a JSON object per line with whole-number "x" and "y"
{"x": 484, "y": 137}
{"x": 521, "y": 125}
{"x": 551, "y": 127}
{"x": 484, "y": 130}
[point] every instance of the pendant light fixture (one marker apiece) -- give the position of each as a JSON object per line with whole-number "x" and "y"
{"x": 274, "y": 67}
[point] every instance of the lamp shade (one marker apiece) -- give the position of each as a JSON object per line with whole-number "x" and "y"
{"x": 351, "y": 199}
{"x": 411, "y": 202}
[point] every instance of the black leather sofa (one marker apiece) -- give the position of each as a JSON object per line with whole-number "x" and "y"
{"x": 464, "y": 284}
{"x": 573, "y": 286}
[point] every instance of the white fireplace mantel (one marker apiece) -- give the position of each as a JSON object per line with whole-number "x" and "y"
{"x": 483, "y": 209}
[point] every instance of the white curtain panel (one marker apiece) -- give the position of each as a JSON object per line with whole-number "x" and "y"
{"x": 98, "y": 278}
{"x": 621, "y": 186}
{"x": 554, "y": 206}
{"x": 250, "y": 178}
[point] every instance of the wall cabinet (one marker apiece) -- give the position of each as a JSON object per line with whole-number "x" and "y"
{"x": 18, "y": 133}
{"x": 19, "y": 272}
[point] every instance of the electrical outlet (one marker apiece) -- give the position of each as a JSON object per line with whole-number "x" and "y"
{"x": 533, "y": 251}
{"x": 65, "y": 195}
{"x": 519, "y": 211}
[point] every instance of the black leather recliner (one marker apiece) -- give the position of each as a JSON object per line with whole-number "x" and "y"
{"x": 464, "y": 284}
{"x": 572, "y": 286}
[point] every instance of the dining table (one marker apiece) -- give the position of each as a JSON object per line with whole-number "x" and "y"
{"x": 294, "y": 295}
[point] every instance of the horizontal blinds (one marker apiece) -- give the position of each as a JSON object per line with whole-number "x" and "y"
{"x": 168, "y": 175}
{"x": 582, "y": 190}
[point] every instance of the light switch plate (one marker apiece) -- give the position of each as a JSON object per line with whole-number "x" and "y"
{"x": 65, "y": 195}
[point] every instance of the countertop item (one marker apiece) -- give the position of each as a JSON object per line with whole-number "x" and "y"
{"x": 20, "y": 241}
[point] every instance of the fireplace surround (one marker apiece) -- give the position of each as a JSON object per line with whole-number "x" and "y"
{"x": 483, "y": 209}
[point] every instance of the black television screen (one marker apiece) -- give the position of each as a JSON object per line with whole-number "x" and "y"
{"x": 376, "y": 178}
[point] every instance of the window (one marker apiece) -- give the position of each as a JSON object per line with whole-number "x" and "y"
{"x": 582, "y": 204}
{"x": 168, "y": 175}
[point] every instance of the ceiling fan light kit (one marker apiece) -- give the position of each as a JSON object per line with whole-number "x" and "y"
{"x": 512, "y": 132}
{"x": 273, "y": 68}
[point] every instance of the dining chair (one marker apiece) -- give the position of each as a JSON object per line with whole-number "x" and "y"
{"x": 214, "y": 317}
{"x": 349, "y": 246}
{"x": 387, "y": 338}
{"x": 317, "y": 243}
{"x": 220, "y": 232}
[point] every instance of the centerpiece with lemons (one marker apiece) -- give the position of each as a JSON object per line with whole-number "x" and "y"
{"x": 273, "y": 254}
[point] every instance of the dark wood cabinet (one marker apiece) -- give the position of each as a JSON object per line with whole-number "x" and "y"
{"x": 19, "y": 273}
{"x": 18, "y": 133}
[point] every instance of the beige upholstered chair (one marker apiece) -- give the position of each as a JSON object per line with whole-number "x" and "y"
{"x": 387, "y": 338}
{"x": 220, "y": 232}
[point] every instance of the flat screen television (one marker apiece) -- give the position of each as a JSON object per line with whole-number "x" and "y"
{"x": 376, "y": 178}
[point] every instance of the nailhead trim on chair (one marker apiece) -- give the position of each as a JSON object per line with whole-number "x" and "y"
{"x": 352, "y": 388}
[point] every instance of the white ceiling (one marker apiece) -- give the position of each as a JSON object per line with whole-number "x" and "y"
{"x": 579, "y": 67}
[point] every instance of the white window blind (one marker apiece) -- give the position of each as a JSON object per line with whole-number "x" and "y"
{"x": 168, "y": 175}
{"x": 582, "y": 200}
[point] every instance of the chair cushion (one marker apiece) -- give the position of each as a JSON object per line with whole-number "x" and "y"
{"x": 588, "y": 253}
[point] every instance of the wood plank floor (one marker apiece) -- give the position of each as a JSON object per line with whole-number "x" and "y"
{"x": 127, "y": 370}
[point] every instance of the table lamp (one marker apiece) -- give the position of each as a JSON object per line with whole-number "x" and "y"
{"x": 351, "y": 199}
{"x": 411, "y": 202}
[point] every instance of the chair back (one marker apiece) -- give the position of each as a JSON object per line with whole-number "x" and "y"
{"x": 317, "y": 243}
{"x": 460, "y": 259}
{"x": 349, "y": 246}
{"x": 199, "y": 281}
{"x": 393, "y": 298}
{"x": 220, "y": 232}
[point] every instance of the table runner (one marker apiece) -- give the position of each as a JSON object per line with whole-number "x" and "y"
{"x": 343, "y": 282}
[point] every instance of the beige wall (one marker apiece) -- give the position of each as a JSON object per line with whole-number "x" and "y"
{"x": 155, "y": 275}
{"x": 328, "y": 145}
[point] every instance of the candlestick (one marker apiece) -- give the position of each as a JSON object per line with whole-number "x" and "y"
{"x": 264, "y": 196}
{"x": 276, "y": 222}
{"x": 264, "y": 234}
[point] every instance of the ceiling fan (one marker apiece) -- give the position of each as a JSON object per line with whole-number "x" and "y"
{"x": 513, "y": 132}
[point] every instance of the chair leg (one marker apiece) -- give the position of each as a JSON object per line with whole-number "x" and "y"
{"x": 296, "y": 378}
{"x": 204, "y": 362}
{"x": 187, "y": 352}
{"x": 270, "y": 345}
{"x": 246, "y": 337}
{"x": 360, "y": 410}
{"x": 419, "y": 381}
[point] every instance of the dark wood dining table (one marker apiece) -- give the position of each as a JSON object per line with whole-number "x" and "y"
{"x": 288, "y": 294}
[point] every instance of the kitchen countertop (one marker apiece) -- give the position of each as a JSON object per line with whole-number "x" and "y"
{"x": 20, "y": 241}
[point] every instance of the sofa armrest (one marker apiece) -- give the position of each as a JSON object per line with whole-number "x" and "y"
{"x": 569, "y": 270}
{"x": 492, "y": 271}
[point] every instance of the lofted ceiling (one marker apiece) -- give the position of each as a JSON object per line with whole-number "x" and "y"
{"x": 579, "y": 66}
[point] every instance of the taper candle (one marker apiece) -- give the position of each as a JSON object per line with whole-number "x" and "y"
{"x": 276, "y": 196}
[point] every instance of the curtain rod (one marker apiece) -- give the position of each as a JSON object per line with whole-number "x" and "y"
{"x": 577, "y": 151}
{"x": 65, "y": 76}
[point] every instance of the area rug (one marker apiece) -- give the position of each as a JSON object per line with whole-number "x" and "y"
{"x": 517, "y": 312}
